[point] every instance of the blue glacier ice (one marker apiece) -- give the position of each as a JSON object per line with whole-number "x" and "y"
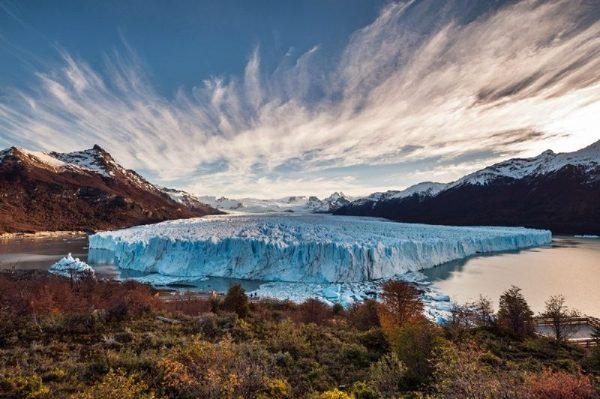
{"x": 302, "y": 248}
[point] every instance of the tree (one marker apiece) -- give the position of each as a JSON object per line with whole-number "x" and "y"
{"x": 514, "y": 314}
{"x": 236, "y": 301}
{"x": 483, "y": 312}
{"x": 314, "y": 311}
{"x": 363, "y": 315}
{"x": 560, "y": 317}
{"x": 400, "y": 304}
{"x": 460, "y": 320}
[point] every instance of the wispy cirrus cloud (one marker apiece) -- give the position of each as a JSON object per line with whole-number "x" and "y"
{"x": 409, "y": 97}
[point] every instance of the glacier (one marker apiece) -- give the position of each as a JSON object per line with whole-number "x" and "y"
{"x": 302, "y": 248}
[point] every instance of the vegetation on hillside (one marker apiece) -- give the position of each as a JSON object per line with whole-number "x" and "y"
{"x": 103, "y": 339}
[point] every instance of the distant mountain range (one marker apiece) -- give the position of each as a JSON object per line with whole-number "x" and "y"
{"x": 88, "y": 190}
{"x": 560, "y": 192}
{"x": 83, "y": 190}
{"x": 298, "y": 204}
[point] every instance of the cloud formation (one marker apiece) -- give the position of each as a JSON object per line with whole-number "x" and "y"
{"x": 409, "y": 99}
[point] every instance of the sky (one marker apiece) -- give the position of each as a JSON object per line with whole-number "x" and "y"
{"x": 273, "y": 98}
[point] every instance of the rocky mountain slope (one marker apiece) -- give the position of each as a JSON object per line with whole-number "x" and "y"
{"x": 560, "y": 192}
{"x": 83, "y": 190}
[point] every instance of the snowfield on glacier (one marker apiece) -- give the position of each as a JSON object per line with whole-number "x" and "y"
{"x": 302, "y": 248}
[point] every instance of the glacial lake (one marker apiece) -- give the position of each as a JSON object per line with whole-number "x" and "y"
{"x": 569, "y": 266}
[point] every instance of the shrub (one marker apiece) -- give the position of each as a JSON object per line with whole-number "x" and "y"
{"x": 26, "y": 387}
{"x": 416, "y": 344}
{"x": 559, "y": 385}
{"x": 314, "y": 311}
{"x": 361, "y": 390}
{"x": 337, "y": 309}
{"x": 276, "y": 388}
{"x": 334, "y": 394}
{"x": 116, "y": 384}
{"x": 462, "y": 374}
{"x": 387, "y": 375}
{"x": 220, "y": 370}
{"x": 44, "y": 294}
{"x": 236, "y": 301}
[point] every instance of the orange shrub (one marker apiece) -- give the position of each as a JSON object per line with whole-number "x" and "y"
{"x": 40, "y": 293}
{"x": 559, "y": 385}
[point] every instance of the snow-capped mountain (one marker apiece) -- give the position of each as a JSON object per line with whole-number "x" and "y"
{"x": 586, "y": 160}
{"x": 299, "y": 204}
{"x": 556, "y": 191}
{"x": 425, "y": 189}
{"x": 82, "y": 190}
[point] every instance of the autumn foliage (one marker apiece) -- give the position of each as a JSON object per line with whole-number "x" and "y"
{"x": 399, "y": 304}
{"x": 560, "y": 385}
{"x": 46, "y": 294}
{"x": 92, "y": 339}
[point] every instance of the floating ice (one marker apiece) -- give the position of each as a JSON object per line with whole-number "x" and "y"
{"x": 71, "y": 268}
{"x": 302, "y": 248}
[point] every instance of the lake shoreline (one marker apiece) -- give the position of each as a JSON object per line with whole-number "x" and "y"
{"x": 43, "y": 234}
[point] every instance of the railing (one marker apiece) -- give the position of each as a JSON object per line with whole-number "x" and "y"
{"x": 586, "y": 342}
{"x": 591, "y": 321}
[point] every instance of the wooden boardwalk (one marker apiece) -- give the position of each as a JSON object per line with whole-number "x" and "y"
{"x": 582, "y": 336}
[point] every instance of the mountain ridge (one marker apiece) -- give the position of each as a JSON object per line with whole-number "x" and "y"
{"x": 295, "y": 203}
{"x": 558, "y": 191}
{"x": 81, "y": 190}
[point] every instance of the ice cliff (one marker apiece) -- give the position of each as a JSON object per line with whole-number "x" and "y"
{"x": 302, "y": 248}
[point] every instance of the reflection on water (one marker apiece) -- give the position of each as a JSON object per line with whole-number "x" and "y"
{"x": 103, "y": 262}
{"x": 569, "y": 266}
{"x": 29, "y": 253}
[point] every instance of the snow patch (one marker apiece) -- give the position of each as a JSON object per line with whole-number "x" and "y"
{"x": 89, "y": 160}
{"x": 44, "y": 159}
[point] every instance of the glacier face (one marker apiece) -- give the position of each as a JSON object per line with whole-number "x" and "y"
{"x": 302, "y": 248}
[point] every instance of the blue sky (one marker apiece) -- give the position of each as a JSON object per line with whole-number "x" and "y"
{"x": 274, "y": 98}
{"x": 181, "y": 43}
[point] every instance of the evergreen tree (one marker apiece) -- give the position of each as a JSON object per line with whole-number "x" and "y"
{"x": 236, "y": 301}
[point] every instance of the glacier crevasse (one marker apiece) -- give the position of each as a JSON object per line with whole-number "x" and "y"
{"x": 302, "y": 248}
